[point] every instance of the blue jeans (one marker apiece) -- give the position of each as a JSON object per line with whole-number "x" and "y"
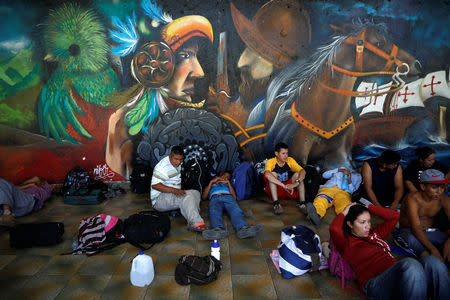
{"x": 437, "y": 238}
{"x": 409, "y": 279}
{"x": 220, "y": 202}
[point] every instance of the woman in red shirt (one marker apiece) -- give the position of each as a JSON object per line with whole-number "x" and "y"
{"x": 379, "y": 274}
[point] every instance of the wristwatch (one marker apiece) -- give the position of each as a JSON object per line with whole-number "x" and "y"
{"x": 296, "y": 180}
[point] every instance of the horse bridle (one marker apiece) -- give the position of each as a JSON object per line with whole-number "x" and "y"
{"x": 361, "y": 44}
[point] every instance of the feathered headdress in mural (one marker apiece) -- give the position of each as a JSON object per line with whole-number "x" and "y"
{"x": 153, "y": 62}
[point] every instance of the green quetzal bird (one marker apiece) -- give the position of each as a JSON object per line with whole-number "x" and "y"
{"x": 75, "y": 39}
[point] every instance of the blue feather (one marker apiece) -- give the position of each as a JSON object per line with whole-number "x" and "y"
{"x": 125, "y": 35}
{"x": 156, "y": 13}
{"x": 153, "y": 111}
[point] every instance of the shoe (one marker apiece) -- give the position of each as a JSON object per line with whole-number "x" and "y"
{"x": 302, "y": 207}
{"x": 7, "y": 220}
{"x": 312, "y": 213}
{"x": 199, "y": 227}
{"x": 278, "y": 210}
{"x": 249, "y": 231}
{"x": 215, "y": 233}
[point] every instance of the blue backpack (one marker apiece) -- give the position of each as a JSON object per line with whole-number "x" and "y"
{"x": 243, "y": 179}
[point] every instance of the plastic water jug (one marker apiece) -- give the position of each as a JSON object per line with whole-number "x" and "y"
{"x": 142, "y": 271}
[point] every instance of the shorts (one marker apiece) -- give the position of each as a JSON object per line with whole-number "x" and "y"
{"x": 281, "y": 192}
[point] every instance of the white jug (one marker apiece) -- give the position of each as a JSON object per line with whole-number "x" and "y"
{"x": 142, "y": 272}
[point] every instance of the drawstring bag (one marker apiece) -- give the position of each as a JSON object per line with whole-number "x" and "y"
{"x": 299, "y": 251}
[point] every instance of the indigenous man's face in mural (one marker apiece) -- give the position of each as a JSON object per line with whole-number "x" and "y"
{"x": 187, "y": 69}
{"x": 255, "y": 76}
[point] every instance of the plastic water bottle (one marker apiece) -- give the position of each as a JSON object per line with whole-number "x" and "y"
{"x": 142, "y": 271}
{"x": 75, "y": 245}
{"x": 215, "y": 250}
{"x": 344, "y": 184}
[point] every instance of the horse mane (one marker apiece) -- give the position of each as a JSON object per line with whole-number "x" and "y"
{"x": 290, "y": 81}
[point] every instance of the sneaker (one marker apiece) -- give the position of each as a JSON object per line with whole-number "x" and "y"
{"x": 199, "y": 227}
{"x": 249, "y": 231}
{"x": 312, "y": 213}
{"x": 302, "y": 207}
{"x": 215, "y": 233}
{"x": 278, "y": 210}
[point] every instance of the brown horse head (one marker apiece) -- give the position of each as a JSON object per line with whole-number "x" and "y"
{"x": 367, "y": 49}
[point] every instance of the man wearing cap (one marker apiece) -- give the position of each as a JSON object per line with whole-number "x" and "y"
{"x": 165, "y": 81}
{"x": 279, "y": 34}
{"x": 424, "y": 218}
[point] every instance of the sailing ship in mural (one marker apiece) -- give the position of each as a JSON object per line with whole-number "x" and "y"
{"x": 385, "y": 114}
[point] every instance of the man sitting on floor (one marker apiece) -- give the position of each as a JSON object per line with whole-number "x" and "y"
{"x": 22, "y": 199}
{"x": 223, "y": 196}
{"x": 336, "y": 191}
{"x": 383, "y": 180}
{"x": 166, "y": 193}
{"x": 418, "y": 230}
{"x": 284, "y": 177}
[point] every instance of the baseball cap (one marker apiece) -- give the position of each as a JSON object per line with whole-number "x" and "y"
{"x": 433, "y": 176}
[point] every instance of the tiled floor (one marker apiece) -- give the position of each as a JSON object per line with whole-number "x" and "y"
{"x": 248, "y": 272}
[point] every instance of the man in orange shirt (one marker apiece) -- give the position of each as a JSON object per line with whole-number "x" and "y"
{"x": 284, "y": 177}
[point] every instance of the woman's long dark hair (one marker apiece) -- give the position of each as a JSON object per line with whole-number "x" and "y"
{"x": 353, "y": 213}
{"x": 423, "y": 152}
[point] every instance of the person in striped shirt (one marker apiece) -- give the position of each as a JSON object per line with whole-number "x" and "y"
{"x": 166, "y": 193}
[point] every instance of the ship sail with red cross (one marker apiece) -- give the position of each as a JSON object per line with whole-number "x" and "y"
{"x": 382, "y": 117}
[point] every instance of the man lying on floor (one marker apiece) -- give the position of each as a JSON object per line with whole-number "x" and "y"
{"x": 19, "y": 200}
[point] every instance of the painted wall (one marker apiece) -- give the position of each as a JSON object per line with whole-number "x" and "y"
{"x": 108, "y": 84}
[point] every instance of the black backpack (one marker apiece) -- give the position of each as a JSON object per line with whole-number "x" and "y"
{"x": 194, "y": 175}
{"x": 140, "y": 179}
{"x": 197, "y": 269}
{"x": 36, "y": 235}
{"x": 146, "y": 227}
{"x": 76, "y": 179}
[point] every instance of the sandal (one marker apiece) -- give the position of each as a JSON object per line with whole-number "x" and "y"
{"x": 199, "y": 227}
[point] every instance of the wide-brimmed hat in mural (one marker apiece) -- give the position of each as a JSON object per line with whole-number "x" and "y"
{"x": 280, "y": 31}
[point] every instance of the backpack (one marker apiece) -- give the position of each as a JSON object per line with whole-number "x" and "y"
{"x": 31, "y": 235}
{"x": 340, "y": 267}
{"x": 140, "y": 179}
{"x": 146, "y": 227}
{"x": 312, "y": 181}
{"x": 194, "y": 175}
{"x": 243, "y": 179}
{"x": 98, "y": 233}
{"x": 299, "y": 251}
{"x": 197, "y": 269}
{"x": 76, "y": 179}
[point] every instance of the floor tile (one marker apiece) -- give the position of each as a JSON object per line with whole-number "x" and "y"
{"x": 119, "y": 287}
{"x": 63, "y": 265}
{"x": 220, "y": 289}
{"x": 248, "y": 265}
{"x": 84, "y": 287}
{"x": 43, "y": 287}
{"x": 165, "y": 287}
{"x": 253, "y": 287}
{"x": 99, "y": 265}
{"x": 25, "y": 265}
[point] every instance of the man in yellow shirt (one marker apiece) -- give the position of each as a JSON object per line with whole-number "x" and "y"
{"x": 284, "y": 177}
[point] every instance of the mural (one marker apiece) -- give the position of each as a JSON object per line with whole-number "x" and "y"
{"x": 106, "y": 85}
